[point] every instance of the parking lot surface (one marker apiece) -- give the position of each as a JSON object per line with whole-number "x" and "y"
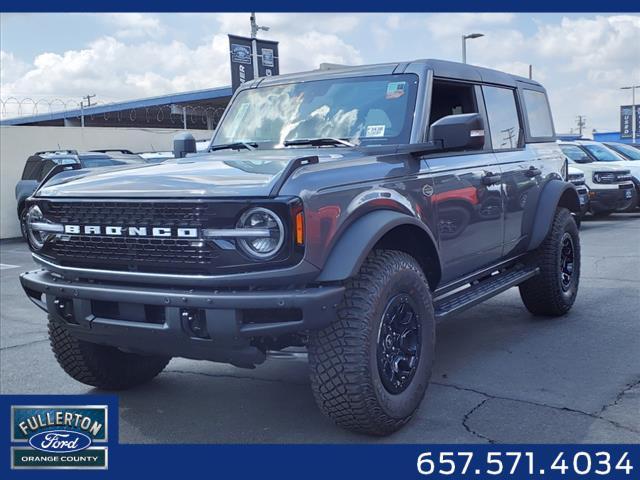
{"x": 501, "y": 375}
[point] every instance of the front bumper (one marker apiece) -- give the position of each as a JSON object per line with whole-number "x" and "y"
{"x": 152, "y": 319}
{"x": 613, "y": 199}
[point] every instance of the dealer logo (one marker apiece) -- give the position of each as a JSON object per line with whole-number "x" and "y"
{"x": 55, "y": 437}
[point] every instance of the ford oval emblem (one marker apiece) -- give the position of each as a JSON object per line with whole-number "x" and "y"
{"x": 60, "y": 441}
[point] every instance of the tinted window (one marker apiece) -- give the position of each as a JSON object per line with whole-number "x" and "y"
{"x": 32, "y": 169}
{"x": 575, "y": 154}
{"x": 503, "y": 117}
{"x": 603, "y": 154}
{"x": 627, "y": 150}
{"x": 538, "y": 114}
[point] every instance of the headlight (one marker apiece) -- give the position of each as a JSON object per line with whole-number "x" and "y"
{"x": 39, "y": 229}
{"x": 36, "y": 237}
{"x": 268, "y": 245}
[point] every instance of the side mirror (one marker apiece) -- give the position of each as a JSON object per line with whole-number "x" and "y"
{"x": 459, "y": 132}
{"x": 183, "y": 144}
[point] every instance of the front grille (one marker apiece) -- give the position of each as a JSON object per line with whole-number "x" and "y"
{"x": 146, "y": 253}
{"x": 138, "y": 253}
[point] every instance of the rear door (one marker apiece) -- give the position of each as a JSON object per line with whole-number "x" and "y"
{"x": 521, "y": 168}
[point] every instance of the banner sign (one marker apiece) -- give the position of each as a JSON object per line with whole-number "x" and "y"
{"x": 626, "y": 121}
{"x": 243, "y": 52}
{"x": 241, "y": 56}
{"x": 268, "y": 59}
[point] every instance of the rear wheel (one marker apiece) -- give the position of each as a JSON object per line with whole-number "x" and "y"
{"x": 371, "y": 367}
{"x": 554, "y": 291}
{"x": 100, "y": 365}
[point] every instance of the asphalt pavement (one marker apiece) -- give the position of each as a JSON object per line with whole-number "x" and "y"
{"x": 500, "y": 375}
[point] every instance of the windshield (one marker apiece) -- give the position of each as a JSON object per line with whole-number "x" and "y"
{"x": 575, "y": 154}
{"x": 370, "y": 110}
{"x": 628, "y": 151}
{"x": 602, "y": 153}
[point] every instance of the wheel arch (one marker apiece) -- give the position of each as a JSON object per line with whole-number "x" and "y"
{"x": 382, "y": 229}
{"x": 555, "y": 193}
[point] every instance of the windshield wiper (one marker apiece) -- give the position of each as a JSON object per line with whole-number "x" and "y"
{"x": 234, "y": 146}
{"x": 318, "y": 142}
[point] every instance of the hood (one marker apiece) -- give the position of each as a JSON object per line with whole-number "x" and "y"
{"x": 593, "y": 167}
{"x": 220, "y": 174}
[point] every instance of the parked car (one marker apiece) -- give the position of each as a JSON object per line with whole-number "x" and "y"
{"x": 314, "y": 221}
{"x": 576, "y": 176}
{"x": 40, "y": 164}
{"x": 611, "y": 188}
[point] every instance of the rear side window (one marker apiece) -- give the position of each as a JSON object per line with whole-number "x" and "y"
{"x": 503, "y": 117}
{"x": 538, "y": 114}
{"x": 32, "y": 169}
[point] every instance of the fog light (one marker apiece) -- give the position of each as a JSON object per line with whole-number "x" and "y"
{"x": 194, "y": 322}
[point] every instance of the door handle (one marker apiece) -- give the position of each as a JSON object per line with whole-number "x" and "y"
{"x": 533, "y": 172}
{"x": 491, "y": 178}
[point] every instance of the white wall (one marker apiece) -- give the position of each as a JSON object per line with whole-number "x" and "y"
{"x": 18, "y": 143}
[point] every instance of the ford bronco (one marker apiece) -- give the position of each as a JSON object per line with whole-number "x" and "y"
{"x": 344, "y": 211}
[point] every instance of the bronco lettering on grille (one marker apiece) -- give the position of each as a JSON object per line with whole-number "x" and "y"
{"x": 114, "y": 230}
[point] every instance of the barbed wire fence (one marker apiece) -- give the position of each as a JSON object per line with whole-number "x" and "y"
{"x": 14, "y": 107}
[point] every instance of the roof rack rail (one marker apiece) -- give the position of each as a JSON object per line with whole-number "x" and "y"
{"x": 114, "y": 150}
{"x": 60, "y": 150}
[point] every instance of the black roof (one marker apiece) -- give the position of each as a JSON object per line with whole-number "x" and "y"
{"x": 440, "y": 68}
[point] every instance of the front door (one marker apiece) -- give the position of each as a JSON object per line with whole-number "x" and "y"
{"x": 467, "y": 197}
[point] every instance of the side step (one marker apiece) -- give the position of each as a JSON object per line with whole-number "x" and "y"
{"x": 483, "y": 290}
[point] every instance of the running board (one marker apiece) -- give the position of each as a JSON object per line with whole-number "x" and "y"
{"x": 483, "y": 290}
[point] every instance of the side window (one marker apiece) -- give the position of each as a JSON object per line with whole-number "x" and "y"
{"x": 32, "y": 169}
{"x": 503, "y": 117}
{"x": 451, "y": 98}
{"x": 538, "y": 114}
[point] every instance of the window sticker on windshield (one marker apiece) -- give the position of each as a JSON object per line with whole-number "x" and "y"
{"x": 395, "y": 90}
{"x": 375, "y": 131}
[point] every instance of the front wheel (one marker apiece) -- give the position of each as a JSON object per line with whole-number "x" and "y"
{"x": 553, "y": 292}
{"x": 370, "y": 368}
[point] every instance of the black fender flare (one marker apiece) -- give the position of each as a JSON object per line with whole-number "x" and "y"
{"x": 355, "y": 243}
{"x": 554, "y": 194}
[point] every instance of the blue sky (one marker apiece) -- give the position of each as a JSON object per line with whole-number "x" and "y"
{"x": 582, "y": 59}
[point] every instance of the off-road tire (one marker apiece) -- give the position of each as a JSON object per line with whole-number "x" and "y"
{"x": 343, "y": 359}
{"x": 102, "y": 366}
{"x": 544, "y": 294}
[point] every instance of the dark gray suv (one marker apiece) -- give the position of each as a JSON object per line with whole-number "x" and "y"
{"x": 344, "y": 211}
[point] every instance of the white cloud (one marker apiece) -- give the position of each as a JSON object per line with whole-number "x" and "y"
{"x": 457, "y": 24}
{"x": 134, "y": 25}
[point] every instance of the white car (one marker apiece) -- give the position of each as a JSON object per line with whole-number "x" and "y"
{"x": 611, "y": 188}
{"x": 576, "y": 176}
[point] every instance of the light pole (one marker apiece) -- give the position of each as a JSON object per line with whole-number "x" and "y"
{"x": 633, "y": 110}
{"x": 464, "y": 44}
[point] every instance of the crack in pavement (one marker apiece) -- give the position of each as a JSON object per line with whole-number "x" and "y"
{"x": 24, "y": 344}
{"x": 238, "y": 377}
{"x": 622, "y": 393}
{"x": 466, "y": 417}
{"x": 531, "y": 402}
